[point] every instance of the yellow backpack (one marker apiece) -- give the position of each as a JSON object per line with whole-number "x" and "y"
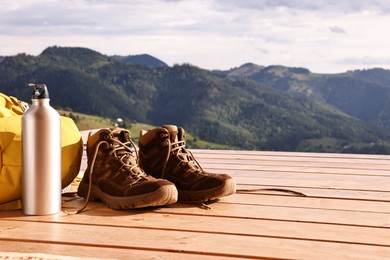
{"x": 11, "y": 111}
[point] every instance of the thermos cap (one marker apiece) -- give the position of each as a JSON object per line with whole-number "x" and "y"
{"x": 40, "y": 91}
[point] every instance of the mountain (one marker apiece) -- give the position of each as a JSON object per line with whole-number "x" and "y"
{"x": 250, "y": 115}
{"x": 244, "y": 71}
{"x": 364, "y": 94}
{"x": 142, "y": 59}
{"x": 215, "y": 106}
{"x": 2, "y": 58}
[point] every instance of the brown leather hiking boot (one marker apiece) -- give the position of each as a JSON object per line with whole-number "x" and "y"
{"x": 162, "y": 154}
{"x": 114, "y": 176}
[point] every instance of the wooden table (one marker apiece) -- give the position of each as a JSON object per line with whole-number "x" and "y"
{"x": 345, "y": 215}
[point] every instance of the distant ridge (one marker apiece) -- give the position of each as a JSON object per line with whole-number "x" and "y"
{"x": 245, "y": 71}
{"x": 141, "y": 59}
{"x": 364, "y": 94}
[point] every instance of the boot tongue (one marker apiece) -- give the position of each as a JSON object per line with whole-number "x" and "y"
{"x": 121, "y": 135}
{"x": 175, "y": 137}
{"x": 172, "y": 129}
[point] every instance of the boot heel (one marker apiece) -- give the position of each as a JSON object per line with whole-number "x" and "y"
{"x": 83, "y": 192}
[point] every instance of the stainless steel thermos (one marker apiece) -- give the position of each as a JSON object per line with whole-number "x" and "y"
{"x": 41, "y": 152}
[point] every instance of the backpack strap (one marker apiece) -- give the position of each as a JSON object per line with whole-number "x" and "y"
{"x": 10, "y": 106}
{"x": 12, "y": 205}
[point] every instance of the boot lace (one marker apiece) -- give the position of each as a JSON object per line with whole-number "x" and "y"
{"x": 185, "y": 156}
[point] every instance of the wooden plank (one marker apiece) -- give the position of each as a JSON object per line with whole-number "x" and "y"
{"x": 290, "y": 154}
{"x": 323, "y": 162}
{"x": 312, "y": 176}
{"x": 308, "y": 202}
{"x": 345, "y": 193}
{"x": 296, "y": 169}
{"x": 35, "y": 249}
{"x": 286, "y": 213}
{"x": 242, "y": 162}
{"x": 221, "y": 225}
{"x": 364, "y": 184}
{"x": 293, "y": 211}
{"x": 260, "y": 157}
{"x": 352, "y": 169}
{"x": 187, "y": 242}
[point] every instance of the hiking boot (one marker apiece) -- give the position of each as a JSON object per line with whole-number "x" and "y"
{"x": 114, "y": 176}
{"x": 162, "y": 154}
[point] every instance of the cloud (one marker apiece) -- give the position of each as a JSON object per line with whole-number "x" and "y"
{"x": 365, "y": 61}
{"x": 213, "y": 34}
{"x": 45, "y": 17}
{"x": 335, "y": 6}
{"x": 336, "y": 29}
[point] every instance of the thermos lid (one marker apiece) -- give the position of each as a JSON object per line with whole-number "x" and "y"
{"x": 40, "y": 91}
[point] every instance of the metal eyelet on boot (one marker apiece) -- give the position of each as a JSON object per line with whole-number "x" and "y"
{"x": 165, "y": 143}
{"x": 164, "y": 135}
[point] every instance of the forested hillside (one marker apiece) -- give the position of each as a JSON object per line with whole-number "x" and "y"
{"x": 237, "y": 110}
{"x": 142, "y": 59}
{"x": 364, "y": 94}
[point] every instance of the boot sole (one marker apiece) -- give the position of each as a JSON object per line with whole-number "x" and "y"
{"x": 228, "y": 188}
{"x": 164, "y": 195}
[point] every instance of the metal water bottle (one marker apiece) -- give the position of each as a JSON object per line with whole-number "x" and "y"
{"x": 41, "y": 152}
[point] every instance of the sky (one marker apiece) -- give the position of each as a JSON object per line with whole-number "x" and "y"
{"x": 324, "y": 36}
